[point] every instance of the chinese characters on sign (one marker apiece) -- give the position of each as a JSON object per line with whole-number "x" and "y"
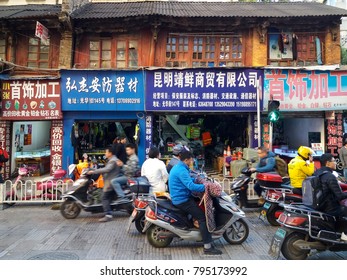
{"x": 5, "y": 132}
{"x": 202, "y": 90}
{"x": 148, "y": 133}
{"x": 41, "y": 32}
{"x": 306, "y": 90}
{"x": 56, "y": 145}
{"x": 28, "y": 100}
{"x": 334, "y": 132}
{"x": 102, "y": 90}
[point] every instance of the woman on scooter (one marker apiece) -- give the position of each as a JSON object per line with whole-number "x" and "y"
{"x": 181, "y": 186}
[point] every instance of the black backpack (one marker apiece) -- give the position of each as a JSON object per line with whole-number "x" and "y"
{"x": 312, "y": 191}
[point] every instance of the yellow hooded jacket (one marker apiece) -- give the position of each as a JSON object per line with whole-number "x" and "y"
{"x": 298, "y": 170}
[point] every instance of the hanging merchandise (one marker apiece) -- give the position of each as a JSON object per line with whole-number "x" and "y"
{"x": 319, "y": 51}
{"x": 206, "y": 138}
{"x": 280, "y": 43}
{"x": 137, "y": 134}
{"x": 193, "y": 131}
{"x": 294, "y": 46}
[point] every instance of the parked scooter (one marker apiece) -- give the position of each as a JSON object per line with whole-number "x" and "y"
{"x": 81, "y": 197}
{"x": 278, "y": 191}
{"x": 141, "y": 197}
{"x": 24, "y": 189}
{"x": 239, "y": 186}
{"x": 303, "y": 230}
{"x": 164, "y": 222}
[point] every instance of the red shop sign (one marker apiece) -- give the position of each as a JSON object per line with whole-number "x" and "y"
{"x": 31, "y": 100}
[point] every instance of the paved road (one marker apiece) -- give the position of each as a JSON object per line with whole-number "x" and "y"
{"x": 37, "y": 232}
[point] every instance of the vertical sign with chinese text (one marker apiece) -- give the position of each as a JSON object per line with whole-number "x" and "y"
{"x": 148, "y": 133}
{"x": 5, "y": 134}
{"x": 56, "y": 145}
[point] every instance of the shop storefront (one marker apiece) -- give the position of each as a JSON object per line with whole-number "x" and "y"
{"x": 31, "y": 125}
{"x": 209, "y": 110}
{"x": 98, "y": 106}
{"x": 312, "y": 106}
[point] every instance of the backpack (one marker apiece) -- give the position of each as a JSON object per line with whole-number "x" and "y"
{"x": 3, "y": 156}
{"x": 312, "y": 191}
{"x": 281, "y": 167}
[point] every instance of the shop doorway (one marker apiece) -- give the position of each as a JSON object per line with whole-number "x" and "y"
{"x": 207, "y": 135}
{"x": 31, "y": 146}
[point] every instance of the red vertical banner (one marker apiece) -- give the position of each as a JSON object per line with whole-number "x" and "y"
{"x": 5, "y": 137}
{"x": 334, "y": 132}
{"x": 56, "y": 145}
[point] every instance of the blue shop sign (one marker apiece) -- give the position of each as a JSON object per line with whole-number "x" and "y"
{"x": 102, "y": 90}
{"x": 202, "y": 90}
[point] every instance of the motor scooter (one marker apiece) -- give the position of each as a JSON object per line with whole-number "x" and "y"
{"x": 24, "y": 189}
{"x": 278, "y": 191}
{"x": 80, "y": 196}
{"x": 239, "y": 188}
{"x": 304, "y": 229}
{"x": 164, "y": 222}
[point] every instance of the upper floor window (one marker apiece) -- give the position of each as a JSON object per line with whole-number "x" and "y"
{"x": 101, "y": 53}
{"x": 204, "y": 51}
{"x": 3, "y": 48}
{"x": 38, "y": 53}
{"x": 302, "y": 49}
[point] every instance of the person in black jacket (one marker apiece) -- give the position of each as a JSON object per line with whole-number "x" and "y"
{"x": 332, "y": 192}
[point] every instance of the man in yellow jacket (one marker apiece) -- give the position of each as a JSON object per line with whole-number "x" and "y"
{"x": 301, "y": 167}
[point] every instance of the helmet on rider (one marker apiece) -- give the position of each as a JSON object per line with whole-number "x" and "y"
{"x": 305, "y": 152}
{"x": 177, "y": 149}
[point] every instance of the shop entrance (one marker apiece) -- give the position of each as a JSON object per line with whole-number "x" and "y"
{"x": 207, "y": 135}
{"x": 92, "y": 137}
{"x": 31, "y": 146}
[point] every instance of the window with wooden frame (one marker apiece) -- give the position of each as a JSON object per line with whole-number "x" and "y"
{"x": 177, "y": 51}
{"x": 204, "y": 50}
{"x": 3, "y": 48}
{"x": 101, "y": 53}
{"x": 38, "y": 53}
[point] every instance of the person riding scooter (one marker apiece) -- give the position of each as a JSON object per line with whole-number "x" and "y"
{"x": 266, "y": 163}
{"x": 181, "y": 186}
{"x": 109, "y": 172}
{"x": 332, "y": 193}
{"x": 300, "y": 167}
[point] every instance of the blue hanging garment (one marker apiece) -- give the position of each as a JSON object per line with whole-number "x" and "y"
{"x": 319, "y": 51}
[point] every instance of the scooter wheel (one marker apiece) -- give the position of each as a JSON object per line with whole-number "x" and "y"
{"x": 289, "y": 251}
{"x": 237, "y": 233}
{"x": 140, "y": 224}
{"x": 271, "y": 215}
{"x": 153, "y": 237}
{"x": 70, "y": 209}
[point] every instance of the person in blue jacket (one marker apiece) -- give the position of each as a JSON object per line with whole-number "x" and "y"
{"x": 181, "y": 186}
{"x": 267, "y": 163}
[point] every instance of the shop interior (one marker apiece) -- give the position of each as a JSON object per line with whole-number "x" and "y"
{"x": 206, "y": 135}
{"x": 31, "y": 146}
{"x": 92, "y": 137}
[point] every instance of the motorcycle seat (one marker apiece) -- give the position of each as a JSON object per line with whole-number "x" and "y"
{"x": 164, "y": 203}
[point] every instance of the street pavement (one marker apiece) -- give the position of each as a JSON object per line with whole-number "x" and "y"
{"x": 36, "y": 232}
